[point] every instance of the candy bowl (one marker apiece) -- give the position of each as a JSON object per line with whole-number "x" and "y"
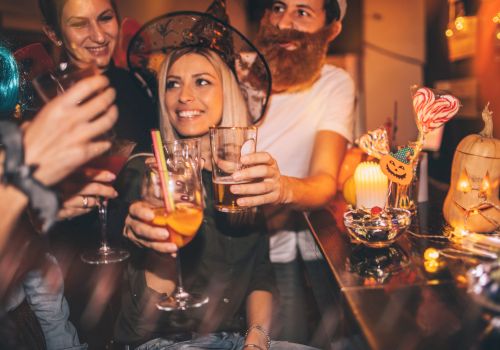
{"x": 484, "y": 285}
{"x": 376, "y": 228}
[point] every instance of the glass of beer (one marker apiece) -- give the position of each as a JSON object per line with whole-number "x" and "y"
{"x": 228, "y": 145}
{"x": 181, "y": 213}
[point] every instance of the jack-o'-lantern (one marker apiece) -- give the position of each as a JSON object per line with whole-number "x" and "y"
{"x": 398, "y": 166}
{"x": 472, "y": 201}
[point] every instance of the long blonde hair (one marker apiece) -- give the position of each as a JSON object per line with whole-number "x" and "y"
{"x": 234, "y": 108}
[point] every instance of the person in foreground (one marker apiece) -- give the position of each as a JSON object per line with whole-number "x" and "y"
{"x": 229, "y": 263}
{"x": 51, "y": 154}
{"x": 307, "y": 127}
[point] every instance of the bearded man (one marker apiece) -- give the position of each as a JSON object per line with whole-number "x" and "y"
{"x": 306, "y": 129}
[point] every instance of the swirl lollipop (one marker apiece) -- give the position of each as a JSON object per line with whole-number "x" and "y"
{"x": 375, "y": 143}
{"x": 433, "y": 109}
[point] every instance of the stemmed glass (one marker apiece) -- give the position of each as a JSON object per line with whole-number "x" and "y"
{"x": 48, "y": 86}
{"x": 184, "y": 219}
{"x": 113, "y": 161}
{"x": 52, "y": 83}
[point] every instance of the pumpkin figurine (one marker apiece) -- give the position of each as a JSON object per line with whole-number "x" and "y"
{"x": 472, "y": 201}
{"x": 398, "y": 166}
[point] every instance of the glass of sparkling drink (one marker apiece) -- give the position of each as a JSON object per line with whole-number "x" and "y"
{"x": 181, "y": 213}
{"x": 228, "y": 145}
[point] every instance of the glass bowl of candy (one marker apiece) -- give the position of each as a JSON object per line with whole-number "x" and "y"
{"x": 484, "y": 285}
{"x": 376, "y": 227}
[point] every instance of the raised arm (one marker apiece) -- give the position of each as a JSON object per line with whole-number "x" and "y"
{"x": 310, "y": 192}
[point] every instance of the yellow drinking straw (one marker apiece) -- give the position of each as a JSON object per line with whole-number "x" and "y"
{"x": 162, "y": 167}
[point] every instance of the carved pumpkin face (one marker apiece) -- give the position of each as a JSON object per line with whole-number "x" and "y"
{"x": 474, "y": 191}
{"x": 472, "y": 201}
{"x": 397, "y": 171}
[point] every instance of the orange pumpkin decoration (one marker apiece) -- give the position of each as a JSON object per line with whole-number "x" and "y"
{"x": 398, "y": 167}
{"x": 472, "y": 201}
{"x": 352, "y": 158}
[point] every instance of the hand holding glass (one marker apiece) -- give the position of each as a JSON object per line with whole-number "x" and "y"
{"x": 184, "y": 219}
{"x": 51, "y": 84}
{"x": 113, "y": 161}
{"x": 228, "y": 145}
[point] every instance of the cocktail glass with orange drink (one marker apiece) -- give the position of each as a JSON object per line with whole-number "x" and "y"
{"x": 182, "y": 215}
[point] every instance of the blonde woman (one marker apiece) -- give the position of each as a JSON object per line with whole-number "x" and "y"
{"x": 229, "y": 264}
{"x": 234, "y": 109}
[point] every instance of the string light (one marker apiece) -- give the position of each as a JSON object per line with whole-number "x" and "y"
{"x": 460, "y": 23}
{"x": 496, "y": 18}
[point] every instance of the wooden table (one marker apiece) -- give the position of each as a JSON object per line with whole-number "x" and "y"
{"x": 387, "y": 298}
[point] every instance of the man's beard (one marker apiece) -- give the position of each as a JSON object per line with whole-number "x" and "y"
{"x": 297, "y": 69}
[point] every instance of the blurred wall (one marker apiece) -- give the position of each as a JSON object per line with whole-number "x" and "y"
{"x": 24, "y": 14}
{"x": 145, "y": 10}
{"x": 393, "y": 59}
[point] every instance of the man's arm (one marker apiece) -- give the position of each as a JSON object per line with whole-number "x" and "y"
{"x": 321, "y": 185}
{"x": 306, "y": 193}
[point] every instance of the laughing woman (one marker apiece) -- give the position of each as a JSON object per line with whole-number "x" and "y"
{"x": 87, "y": 31}
{"x": 228, "y": 263}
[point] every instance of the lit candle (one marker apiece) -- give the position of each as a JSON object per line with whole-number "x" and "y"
{"x": 371, "y": 185}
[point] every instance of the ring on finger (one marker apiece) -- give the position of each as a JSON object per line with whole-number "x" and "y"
{"x": 85, "y": 201}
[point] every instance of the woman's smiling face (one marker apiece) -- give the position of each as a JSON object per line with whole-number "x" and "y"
{"x": 89, "y": 30}
{"x": 193, "y": 95}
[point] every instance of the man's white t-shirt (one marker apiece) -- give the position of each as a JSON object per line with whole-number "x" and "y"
{"x": 289, "y": 129}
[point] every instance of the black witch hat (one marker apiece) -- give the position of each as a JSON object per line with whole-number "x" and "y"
{"x": 209, "y": 30}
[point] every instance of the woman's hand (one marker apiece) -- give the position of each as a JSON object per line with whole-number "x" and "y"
{"x": 79, "y": 192}
{"x": 267, "y": 185}
{"x": 139, "y": 229}
{"x": 64, "y": 134}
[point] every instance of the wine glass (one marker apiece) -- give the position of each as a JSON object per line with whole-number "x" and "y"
{"x": 50, "y": 84}
{"x": 113, "y": 161}
{"x": 181, "y": 213}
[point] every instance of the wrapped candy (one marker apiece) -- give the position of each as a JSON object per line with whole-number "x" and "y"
{"x": 375, "y": 143}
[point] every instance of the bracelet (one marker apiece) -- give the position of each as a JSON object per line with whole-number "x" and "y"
{"x": 261, "y": 330}
{"x": 252, "y": 346}
{"x": 42, "y": 199}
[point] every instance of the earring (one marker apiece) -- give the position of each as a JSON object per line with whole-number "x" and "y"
{"x": 59, "y": 43}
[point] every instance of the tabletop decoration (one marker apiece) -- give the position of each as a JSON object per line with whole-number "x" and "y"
{"x": 377, "y": 223}
{"x": 371, "y": 185}
{"x": 375, "y": 143}
{"x": 376, "y": 227}
{"x": 472, "y": 202}
{"x": 397, "y": 167}
{"x": 433, "y": 109}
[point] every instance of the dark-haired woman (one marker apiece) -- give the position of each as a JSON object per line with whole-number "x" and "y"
{"x": 87, "y": 32}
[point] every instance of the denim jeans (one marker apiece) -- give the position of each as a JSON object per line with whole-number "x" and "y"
{"x": 49, "y": 306}
{"x": 215, "y": 341}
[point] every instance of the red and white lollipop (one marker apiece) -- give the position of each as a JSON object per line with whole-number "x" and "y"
{"x": 433, "y": 109}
